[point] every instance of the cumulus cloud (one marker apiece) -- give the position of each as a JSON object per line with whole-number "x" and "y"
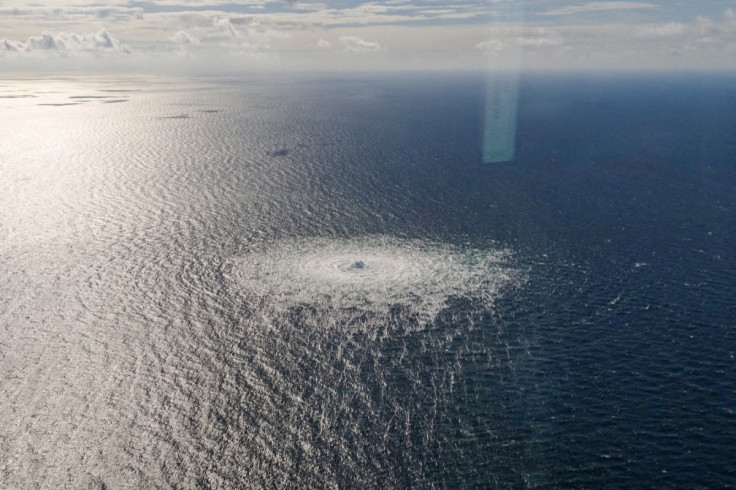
{"x": 67, "y": 44}
{"x": 230, "y": 36}
{"x": 224, "y": 24}
{"x": 354, "y": 44}
{"x": 8, "y": 45}
{"x": 183, "y": 37}
{"x": 323, "y": 44}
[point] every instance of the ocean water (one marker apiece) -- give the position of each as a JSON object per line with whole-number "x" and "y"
{"x": 314, "y": 282}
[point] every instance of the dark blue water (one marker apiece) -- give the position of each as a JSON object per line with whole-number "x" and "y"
{"x": 631, "y": 180}
{"x": 181, "y": 306}
{"x": 622, "y": 200}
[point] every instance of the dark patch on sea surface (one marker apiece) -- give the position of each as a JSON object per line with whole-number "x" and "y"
{"x": 60, "y": 104}
{"x": 89, "y": 96}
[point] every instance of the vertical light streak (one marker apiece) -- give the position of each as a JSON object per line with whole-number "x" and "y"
{"x": 502, "y": 95}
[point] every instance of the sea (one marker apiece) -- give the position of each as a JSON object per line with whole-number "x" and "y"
{"x": 315, "y": 281}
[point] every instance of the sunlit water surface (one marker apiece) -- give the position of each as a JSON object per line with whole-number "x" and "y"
{"x": 314, "y": 283}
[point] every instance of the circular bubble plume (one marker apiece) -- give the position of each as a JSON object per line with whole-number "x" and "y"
{"x": 372, "y": 273}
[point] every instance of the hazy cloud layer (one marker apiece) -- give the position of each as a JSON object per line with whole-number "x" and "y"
{"x": 700, "y": 43}
{"x": 398, "y": 33}
{"x": 599, "y": 7}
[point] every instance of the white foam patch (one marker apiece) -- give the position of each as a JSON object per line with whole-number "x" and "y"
{"x": 373, "y": 273}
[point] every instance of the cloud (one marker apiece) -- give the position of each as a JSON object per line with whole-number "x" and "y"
{"x": 541, "y": 39}
{"x": 701, "y": 43}
{"x": 8, "y": 45}
{"x": 111, "y": 13}
{"x": 599, "y": 7}
{"x": 670, "y": 29}
{"x": 67, "y": 44}
{"x": 492, "y": 46}
{"x": 686, "y": 36}
{"x": 41, "y": 15}
{"x": 538, "y": 39}
{"x": 401, "y": 34}
{"x": 183, "y": 37}
{"x": 224, "y": 24}
{"x": 354, "y": 44}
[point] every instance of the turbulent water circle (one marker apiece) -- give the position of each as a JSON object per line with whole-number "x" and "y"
{"x": 372, "y": 273}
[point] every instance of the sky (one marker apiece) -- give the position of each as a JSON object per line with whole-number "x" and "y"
{"x": 205, "y": 36}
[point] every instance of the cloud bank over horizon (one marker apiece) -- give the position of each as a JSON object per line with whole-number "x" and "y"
{"x": 66, "y": 44}
{"x": 212, "y": 35}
